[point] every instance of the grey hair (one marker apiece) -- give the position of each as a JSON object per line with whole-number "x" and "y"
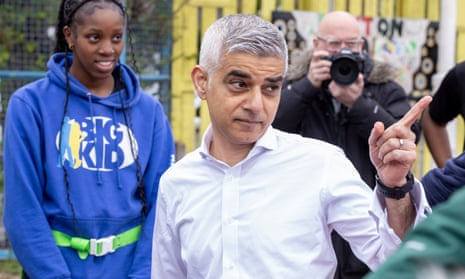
{"x": 242, "y": 33}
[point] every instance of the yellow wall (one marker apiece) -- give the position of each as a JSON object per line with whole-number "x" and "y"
{"x": 460, "y": 57}
{"x": 192, "y": 17}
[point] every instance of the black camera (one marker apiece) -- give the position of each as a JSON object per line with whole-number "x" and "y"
{"x": 345, "y": 67}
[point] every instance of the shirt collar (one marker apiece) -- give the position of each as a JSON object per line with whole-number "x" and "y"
{"x": 266, "y": 142}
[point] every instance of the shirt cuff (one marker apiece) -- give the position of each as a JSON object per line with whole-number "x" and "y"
{"x": 379, "y": 213}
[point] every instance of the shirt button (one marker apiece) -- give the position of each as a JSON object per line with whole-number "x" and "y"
{"x": 229, "y": 266}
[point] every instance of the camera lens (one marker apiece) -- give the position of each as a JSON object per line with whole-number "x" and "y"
{"x": 344, "y": 71}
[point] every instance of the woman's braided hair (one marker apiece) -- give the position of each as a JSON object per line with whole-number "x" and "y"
{"x": 66, "y": 17}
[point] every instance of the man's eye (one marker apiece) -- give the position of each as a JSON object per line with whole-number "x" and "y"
{"x": 271, "y": 88}
{"x": 351, "y": 44}
{"x": 335, "y": 44}
{"x": 238, "y": 84}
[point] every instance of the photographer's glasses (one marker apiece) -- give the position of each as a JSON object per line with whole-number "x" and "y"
{"x": 335, "y": 44}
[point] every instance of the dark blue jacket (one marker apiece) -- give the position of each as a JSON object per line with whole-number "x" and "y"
{"x": 440, "y": 183}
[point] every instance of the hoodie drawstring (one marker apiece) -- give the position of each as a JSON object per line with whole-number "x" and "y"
{"x": 99, "y": 174}
{"x": 118, "y": 178}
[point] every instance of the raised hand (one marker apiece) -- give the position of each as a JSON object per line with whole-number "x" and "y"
{"x": 393, "y": 150}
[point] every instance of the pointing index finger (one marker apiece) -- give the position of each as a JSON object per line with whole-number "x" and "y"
{"x": 415, "y": 112}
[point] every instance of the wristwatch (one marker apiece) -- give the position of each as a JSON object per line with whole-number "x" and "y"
{"x": 395, "y": 192}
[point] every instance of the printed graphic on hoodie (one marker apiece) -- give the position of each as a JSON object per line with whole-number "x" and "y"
{"x": 97, "y": 143}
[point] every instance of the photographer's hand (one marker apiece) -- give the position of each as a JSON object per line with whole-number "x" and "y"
{"x": 319, "y": 68}
{"x": 347, "y": 95}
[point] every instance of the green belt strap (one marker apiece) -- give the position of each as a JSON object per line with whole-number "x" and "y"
{"x": 97, "y": 247}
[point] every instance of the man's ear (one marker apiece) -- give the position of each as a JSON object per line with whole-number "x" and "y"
{"x": 200, "y": 80}
{"x": 315, "y": 42}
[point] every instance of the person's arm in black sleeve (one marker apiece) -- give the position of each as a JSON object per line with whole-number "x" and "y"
{"x": 446, "y": 105}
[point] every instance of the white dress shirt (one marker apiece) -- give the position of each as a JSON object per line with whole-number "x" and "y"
{"x": 270, "y": 215}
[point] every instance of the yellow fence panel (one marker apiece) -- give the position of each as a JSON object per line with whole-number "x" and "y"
{"x": 268, "y": 7}
{"x": 184, "y": 54}
{"x": 249, "y": 7}
{"x": 433, "y": 9}
{"x": 460, "y": 56}
{"x": 288, "y": 5}
{"x": 411, "y": 8}
{"x": 340, "y": 5}
{"x": 460, "y": 30}
{"x": 355, "y": 7}
{"x": 387, "y": 8}
{"x": 370, "y": 8}
{"x": 314, "y": 5}
{"x": 212, "y": 3}
{"x": 461, "y": 44}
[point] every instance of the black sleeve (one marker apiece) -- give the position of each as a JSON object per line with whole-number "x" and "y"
{"x": 386, "y": 103}
{"x": 295, "y": 97}
{"x": 449, "y": 99}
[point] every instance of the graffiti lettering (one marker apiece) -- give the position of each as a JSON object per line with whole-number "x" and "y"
{"x": 389, "y": 28}
{"x": 365, "y": 23}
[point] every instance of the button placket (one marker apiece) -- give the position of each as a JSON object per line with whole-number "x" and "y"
{"x": 230, "y": 209}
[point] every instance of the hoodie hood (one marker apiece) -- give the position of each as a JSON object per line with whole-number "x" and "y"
{"x": 374, "y": 71}
{"x": 57, "y": 75}
{"x": 128, "y": 96}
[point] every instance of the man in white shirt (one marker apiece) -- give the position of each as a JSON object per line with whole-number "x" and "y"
{"x": 255, "y": 202}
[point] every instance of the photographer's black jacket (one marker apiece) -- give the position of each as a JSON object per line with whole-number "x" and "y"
{"x": 310, "y": 112}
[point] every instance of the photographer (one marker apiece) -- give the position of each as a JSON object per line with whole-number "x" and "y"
{"x": 314, "y": 105}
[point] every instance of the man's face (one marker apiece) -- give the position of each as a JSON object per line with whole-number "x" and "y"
{"x": 243, "y": 96}
{"x": 334, "y": 45}
{"x": 335, "y": 38}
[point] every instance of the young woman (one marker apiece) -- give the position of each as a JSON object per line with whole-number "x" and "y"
{"x": 84, "y": 150}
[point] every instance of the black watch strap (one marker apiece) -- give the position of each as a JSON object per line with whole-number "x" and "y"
{"x": 395, "y": 192}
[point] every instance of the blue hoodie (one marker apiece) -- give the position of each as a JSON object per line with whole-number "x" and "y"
{"x": 101, "y": 171}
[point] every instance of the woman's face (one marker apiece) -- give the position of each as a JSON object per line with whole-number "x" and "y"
{"x": 96, "y": 37}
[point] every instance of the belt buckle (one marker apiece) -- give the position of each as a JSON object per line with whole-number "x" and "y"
{"x": 105, "y": 244}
